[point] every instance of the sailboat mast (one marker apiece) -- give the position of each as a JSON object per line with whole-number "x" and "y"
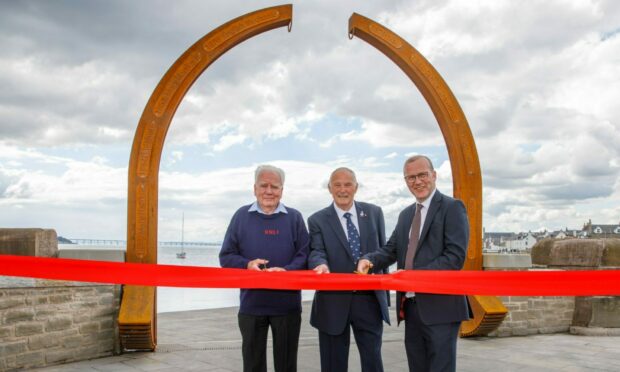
{"x": 183, "y": 232}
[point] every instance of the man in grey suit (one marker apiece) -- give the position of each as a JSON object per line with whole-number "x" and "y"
{"x": 339, "y": 235}
{"x": 431, "y": 234}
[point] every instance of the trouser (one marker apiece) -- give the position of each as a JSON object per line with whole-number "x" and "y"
{"x": 285, "y": 334}
{"x": 367, "y": 324}
{"x": 429, "y": 347}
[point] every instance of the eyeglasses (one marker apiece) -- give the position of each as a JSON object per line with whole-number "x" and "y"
{"x": 420, "y": 176}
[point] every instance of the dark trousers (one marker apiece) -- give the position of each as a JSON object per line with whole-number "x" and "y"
{"x": 365, "y": 319}
{"x": 285, "y": 334}
{"x": 429, "y": 347}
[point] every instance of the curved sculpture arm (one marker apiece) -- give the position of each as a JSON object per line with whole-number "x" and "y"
{"x": 466, "y": 176}
{"x": 159, "y": 111}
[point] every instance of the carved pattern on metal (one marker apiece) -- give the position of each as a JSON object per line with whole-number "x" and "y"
{"x": 173, "y": 84}
{"x": 437, "y": 82}
{"x": 381, "y": 32}
{"x": 141, "y": 221}
{"x": 235, "y": 29}
{"x": 146, "y": 146}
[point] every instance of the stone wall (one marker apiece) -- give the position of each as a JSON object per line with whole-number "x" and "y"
{"x": 55, "y": 322}
{"x": 528, "y": 315}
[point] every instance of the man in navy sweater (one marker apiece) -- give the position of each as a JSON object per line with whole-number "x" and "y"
{"x": 267, "y": 236}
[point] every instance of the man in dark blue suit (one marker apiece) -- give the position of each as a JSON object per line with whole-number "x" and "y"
{"x": 431, "y": 234}
{"x": 339, "y": 235}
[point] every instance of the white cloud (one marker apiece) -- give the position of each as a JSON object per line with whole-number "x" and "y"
{"x": 539, "y": 83}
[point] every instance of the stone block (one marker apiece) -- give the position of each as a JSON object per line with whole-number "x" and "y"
{"x": 506, "y": 261}
{"x": 113, "y": 255}
{"x": 31, "y": 359}
{"x": 28, "y": 328}
{"x": 72, "y": 342}
{"x": 108, "y": 334}
{"x": 597, "y": 311}
{"x": 12, "y": 348}
{"x": 20, "y": 315}
{"x": 569, "y": 252}
{"x": 29, "y": 242}
{"x": 541, "y": 252}
{"x": 59, "y": 323}
{"x": 106, "y": 324}
{"x": 107, "y": 299}
{"x": 7, "y": 303}
{"x": 44, "y": 341}
{"x": 104, "y": 311}
{"x": 521, "y": 331}
{"x": 88, "y": 328}
{"x": 54, "y": 357}
{"x": 61, "y": 298}
{"x": 606, "y": 312}
{"x": 81, "y": 317}
{"x": 611, "y": 254}
{"x": 6, "y": 332}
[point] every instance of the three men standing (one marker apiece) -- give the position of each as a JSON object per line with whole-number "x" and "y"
{"x": 339, "y": 235}
{"x": 431, "y": 234}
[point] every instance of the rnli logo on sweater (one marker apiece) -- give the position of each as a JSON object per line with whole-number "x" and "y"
{"x": 272, "y": 232}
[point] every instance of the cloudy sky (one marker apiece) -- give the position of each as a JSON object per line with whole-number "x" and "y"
{"x": 539, "y": 82}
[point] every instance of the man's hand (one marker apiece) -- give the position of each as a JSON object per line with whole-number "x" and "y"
{"x": 321, "y": 269}
{"x": 363, "y": 266}
{"x": 257, "y": 264}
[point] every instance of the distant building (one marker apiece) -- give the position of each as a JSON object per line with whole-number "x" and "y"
{"x": 498, "y": 238}
{"x": 522, "y": 242}
{"x": 568, "y": 234}
{"x": 591, "y": 230}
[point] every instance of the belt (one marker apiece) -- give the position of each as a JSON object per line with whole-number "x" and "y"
{"x": 364, "y": 293}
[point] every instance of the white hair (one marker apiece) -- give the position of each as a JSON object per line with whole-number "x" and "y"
{"x": 268, "y": 168}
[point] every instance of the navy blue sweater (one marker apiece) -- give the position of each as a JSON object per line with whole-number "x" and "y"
{"x": 280, "y": 238}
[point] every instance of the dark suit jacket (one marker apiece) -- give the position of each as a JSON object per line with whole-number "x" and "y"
{"x": 329, "y": 245}
{"x": 442, "y": 246}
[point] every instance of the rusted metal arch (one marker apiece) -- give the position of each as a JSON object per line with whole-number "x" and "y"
{"x": 138, "y": 315}
{"x": 466, "y": 175}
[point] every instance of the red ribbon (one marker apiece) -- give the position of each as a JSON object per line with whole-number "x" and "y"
{"x": 496, "y": 283}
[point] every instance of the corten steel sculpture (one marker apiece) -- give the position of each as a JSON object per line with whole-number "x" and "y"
{"x": 138, "y": 316}
{"x": 466, "y": 177}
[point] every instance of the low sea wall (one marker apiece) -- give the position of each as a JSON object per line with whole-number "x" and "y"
{"x": 586, "y": 315}
{"x": 46, "y": 322}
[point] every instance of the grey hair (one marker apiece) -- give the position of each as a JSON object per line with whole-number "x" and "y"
{"x": 342, "y": 169}
{"x": 413, "y": 158}
{"x": 268, "y": 168}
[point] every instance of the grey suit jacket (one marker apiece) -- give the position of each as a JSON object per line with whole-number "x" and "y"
{"x": 329, "y": 245}
{"x": 442, "y": 246}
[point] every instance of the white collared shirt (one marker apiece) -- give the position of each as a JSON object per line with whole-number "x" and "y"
{"x": 256, "y": 208}
{"x": 343, "y": 220}
{"x": 424, "y": 211}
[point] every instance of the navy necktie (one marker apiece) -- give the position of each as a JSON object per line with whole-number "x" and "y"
{"x": 354, "y": 238}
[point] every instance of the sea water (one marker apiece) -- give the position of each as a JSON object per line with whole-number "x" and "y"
{"x": 182, "y": 299}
